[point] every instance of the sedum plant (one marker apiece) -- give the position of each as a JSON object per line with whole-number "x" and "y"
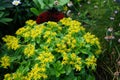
{"x": 51, "y": 51}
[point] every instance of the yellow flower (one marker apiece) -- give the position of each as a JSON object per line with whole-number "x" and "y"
{"x": 75, "y": 23}
{"x": 74, "y": 41}
{"x": 78, "y": 67}
{"x": 47, "y": 34}
{"x": 36, "y": 31}
{"x": 53, "y": 33}
{"x": 20, "y": 31}
{"x": 76, "y": 61}
{"x": 65, "y": 8}
{"x": 89, "y": 38}
{"x": 7, "y": 77}
{"x": 52, "y": 24}
{"x": 91, "y": 62}
{"x": 65, "y": 58}
{"x": 66, "y": 21}
{"x": 11, "y": 42}
{"x": 46, "y": 57}
{"x": 46, "y": 48}
{"x": 17, "y": 75}
{"x": 26, "y": 34}
{"x": 5, "y": 61}
{"x": 30, "y": 22}
{"x": 44, "y": 76}
{"x": 37, "y": 72}
{"x": 98, "y": 51}
{"x": 48, "y": 40}
{"x": 34, "y": 73}
{"x": 29, "y": 50}
{"x": 73, "y": 56}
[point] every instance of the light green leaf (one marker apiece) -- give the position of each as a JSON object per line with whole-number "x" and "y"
{"x": 48, "y": 3}
{"x": 57, "y": 74}
{"x": 34, "y": 11}
{"x": 68, "y": 70}
{"x": 63, "y": 2}
{"x": 36, "y": 3}
{"x": 41, "y": 4}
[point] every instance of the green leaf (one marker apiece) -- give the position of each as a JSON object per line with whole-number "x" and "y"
{"x": 36, "y": 3}
{"x": 63, "y": 2}
{"x": 5, "y": 20}
{"x": 117, "y": 33}
{"x": 34, "y": 11}
{"x": 57, "y": 74}
{"x": 41, "y": 4}
{"x": 2, "y": 8}
{"x": 90, "y": 77}
{"x": 51, "y": 3}
{"x": 1, "y": 14}
{"x": 68, "y": 70}
{"x": 84, "y": 51}
{"x": 58, "y": 69}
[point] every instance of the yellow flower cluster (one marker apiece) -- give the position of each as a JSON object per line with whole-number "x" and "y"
{"x": 73, "y": 60}
{"x": 11, "y": 42}
{"x": 29, "y": 50}
{"x": 30, "y": 22}
{"x": 65, "y": 58}
{"x": 74, "y": 26}
{"x": 89, "y": 38}
{"x": 61, "y": 48}
{"x": 46, "y": 57}
{"x": 91, "y": 62}
{"x": 17, "y": 75}
{"x": 7, "y": 76}
{"x": 5, "y": 61}
{"x": 37, "y": 73}
{"x": 74, "y": 23}
{"x": 71, "y": 41}
{"x": 36, "y": 31}
{"x": 21, "y": 30}
{"x": 47, "y": 34}
{"x": 75, "y": 29}
{"x": 52, "y": 24}
{"x": 32, "y": 32}
{"x": 66, "y": 21}
{"x": 14, "y": 76}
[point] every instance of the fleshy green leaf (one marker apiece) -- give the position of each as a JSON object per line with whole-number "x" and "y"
{"x": 63, "y": 2}
{"x": 41, "y": 4}
{"x": 68, "y": 70}
{"x": 35, "y": 11}
{"x": 36, "y": 3}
